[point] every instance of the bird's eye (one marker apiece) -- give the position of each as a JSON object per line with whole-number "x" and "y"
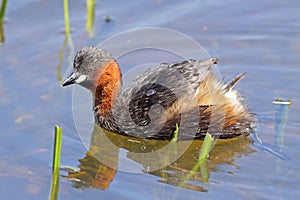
{"x": 78, "y": 61}
{"x": 150, "y": 92}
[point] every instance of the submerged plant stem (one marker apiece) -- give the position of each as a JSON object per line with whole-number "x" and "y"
{"x": 2, "y": 36}
{"x": 67, "y": 21}
{"x": 90, "y": 10}
{"x": 61, "y": 58}
{"x": 67, "y": 39}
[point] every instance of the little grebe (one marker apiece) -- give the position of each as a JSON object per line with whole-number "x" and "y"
{"x": 188, "y": 94}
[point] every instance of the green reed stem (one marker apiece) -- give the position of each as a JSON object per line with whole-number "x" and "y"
{"x": 2, "y": 11}
{"x": 203, "y": 155}
{"x": 67, "y": 21}
{"x": 90, "y": 10}
{"x": 175, "y": 135}
{"x": 171, "y": 149}
{"x": 206, "y": 147}
{"x": 57, "y": 148}
{"x": 2, "y": 14}
{"x": 56, "y": 163}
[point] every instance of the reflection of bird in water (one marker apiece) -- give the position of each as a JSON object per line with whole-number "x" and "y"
{"x": 98, "y": 168}
{"x": 186, "y": 93}
{"x": 92, "y": 173}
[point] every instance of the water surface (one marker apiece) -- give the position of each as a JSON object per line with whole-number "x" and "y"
{"x": 259, "y": 38}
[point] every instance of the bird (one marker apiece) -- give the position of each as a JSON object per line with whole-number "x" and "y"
{"x": 184, "y": 94}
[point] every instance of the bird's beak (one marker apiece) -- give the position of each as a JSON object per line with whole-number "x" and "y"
{"x": 70, "y": 80}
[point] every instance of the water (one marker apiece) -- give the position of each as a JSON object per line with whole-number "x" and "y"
{"x": 259, "y": 38}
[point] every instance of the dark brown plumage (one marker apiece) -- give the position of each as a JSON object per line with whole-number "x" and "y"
{"x": 184, "y": 93}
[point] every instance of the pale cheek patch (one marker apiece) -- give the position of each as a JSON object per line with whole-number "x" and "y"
{"x": 80, "y": 79}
